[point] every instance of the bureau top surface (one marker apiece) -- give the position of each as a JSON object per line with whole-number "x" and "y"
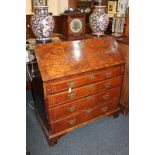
{"x": 59, "y": 59}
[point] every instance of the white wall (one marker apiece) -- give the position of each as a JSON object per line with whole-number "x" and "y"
{"x": 63, "y": 4}
{"x": 55, "y": 6}
{"x": 28, "y": 7}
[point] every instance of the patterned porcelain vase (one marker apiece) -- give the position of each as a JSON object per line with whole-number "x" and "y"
{"x": 99, "y": 20}
{"x": 42, "y": 24}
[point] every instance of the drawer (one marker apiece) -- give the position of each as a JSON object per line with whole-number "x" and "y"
{"x": 84, "y": 116}
{"x": 53, "y": 87}
{"x": 64, "y": 124}
{"x": 91, "y": 113}
{"x": 86, "y": 102}
{"x": 83, "y": 91}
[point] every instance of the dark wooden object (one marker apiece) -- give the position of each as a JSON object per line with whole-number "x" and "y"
{"x": 124, "y": 100}
{"x": 72, "y": 4}
{"x": 65, "y": 25}
{"x": 29, "y": 33}
{"x": 80, "y": 82}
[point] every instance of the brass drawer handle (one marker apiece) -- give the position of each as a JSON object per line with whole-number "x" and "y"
{"x": 89, "y": 98}
{"x": 71, "y": 84}
{"x": 90, "y": 87}
{"x": 107, "y": 85}
{"x": 89, "y": 111}
{"x": 107, "y": 74}
{"x": 91, "y": 77}
{"x": 73, "y": 95}
{"x": 104, "y": 109}
{"x": 71, "y": 108}
{"x": 105, "y": 97}
{"x": 71, "y": 122}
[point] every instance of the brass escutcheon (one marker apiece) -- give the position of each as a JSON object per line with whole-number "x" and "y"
{"x": 107, "y": 85}
{"x": 91, "y": 77}
{"x": 71, "y": 84}
{"x": 71, "y": 108}
{"x": 90, "y": 87}
{"x": 105, "y": 97}
{"x": 73, "y": 95}
{"x": 104, "y": 109}
{"x": 72, "y": 121}
{"x": 107, "y": 74}
{"x": 88, "y": 110}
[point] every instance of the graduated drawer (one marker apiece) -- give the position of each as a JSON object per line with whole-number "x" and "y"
{"x": 79, "y": 118}
{"x": 84, "y": 103}
{"x": 80, "y": 92}
{"x": 88, "y": 78}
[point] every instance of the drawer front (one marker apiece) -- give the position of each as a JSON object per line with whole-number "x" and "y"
{"x": 65, "y": 96}
{"x": 91, "y": 113}
{"x": 82, "y": 80}
{"x": 84, "y": 116}
{"x": 102, "y": 109}
{"x": 87, "y": 102}
{"x": 64, "y": 124}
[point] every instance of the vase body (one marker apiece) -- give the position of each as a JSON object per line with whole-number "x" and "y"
{"x": 42, "y": 24}
{"x": 99, "y": 20}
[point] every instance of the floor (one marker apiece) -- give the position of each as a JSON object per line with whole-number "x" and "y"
{"x": 106, "y": 136}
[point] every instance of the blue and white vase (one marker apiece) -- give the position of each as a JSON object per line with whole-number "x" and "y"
{"x": 42, "y": 23}
{"x": 99, "y": 20}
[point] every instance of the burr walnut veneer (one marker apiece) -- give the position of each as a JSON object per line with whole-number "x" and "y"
{"x": 80, "y": 81}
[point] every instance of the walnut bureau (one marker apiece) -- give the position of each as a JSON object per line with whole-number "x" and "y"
{"x": 80, "y": 81}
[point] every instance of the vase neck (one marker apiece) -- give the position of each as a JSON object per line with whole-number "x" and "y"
{"x": 41, "y": 10}
{"x": 99, "y": 8}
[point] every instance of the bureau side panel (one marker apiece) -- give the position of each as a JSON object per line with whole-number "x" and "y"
{"x": 124, "y": 99}
{"x": 38, "y": 96}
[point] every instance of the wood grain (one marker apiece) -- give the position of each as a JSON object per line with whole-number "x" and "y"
{"x": 81, "y": 80}
{"x": 84, "y": 103}
{"x": 77, "y": 56}
{"x": 63, "y": 97}
{"x": 84, "y": 116}
{"x": 54, "y": 86}
{"x": 124, "y": 100}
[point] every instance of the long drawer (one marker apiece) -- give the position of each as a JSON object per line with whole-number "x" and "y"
{"x": 53, "y": 87}
{"x": 84, "y": 116}
{"x": 80, "y": 92}
{"x": 86, "y": 102}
